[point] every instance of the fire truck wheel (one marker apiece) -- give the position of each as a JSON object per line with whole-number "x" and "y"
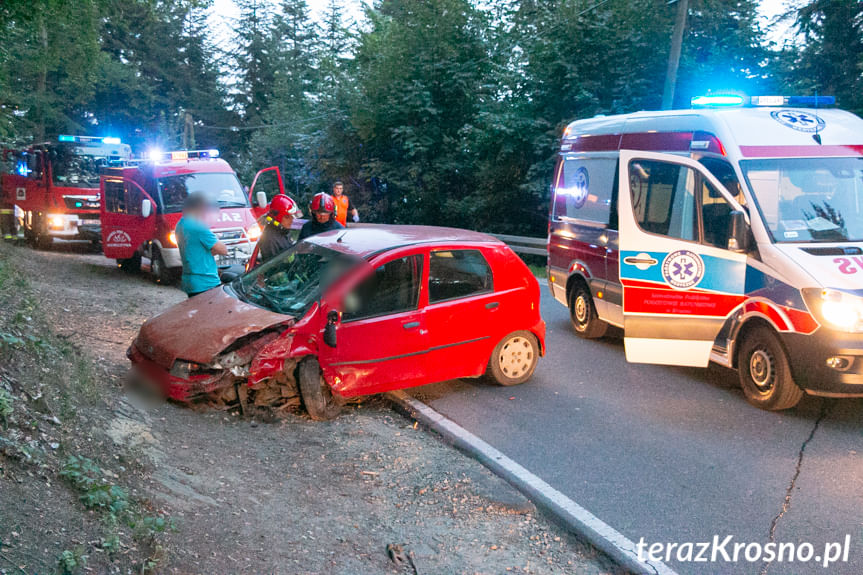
{"x": 514, "y": 359}
{"x": 44, "y": 241}
{"x": 162, "y": 274}
{"x": 583, "y": 314}
{"x": 131, "y": 265}
{"x": 765, "y": 374}
{"x": 316, "y": 393}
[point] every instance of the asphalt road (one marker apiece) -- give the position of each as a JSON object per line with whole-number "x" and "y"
{"x": 675, "y": 454}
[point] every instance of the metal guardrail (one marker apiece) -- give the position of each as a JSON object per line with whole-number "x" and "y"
{"x": 524, "y": 245}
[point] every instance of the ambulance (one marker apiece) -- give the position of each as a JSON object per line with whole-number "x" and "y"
{"x": 729, "y": 233}
{"x": 142, "y": 202}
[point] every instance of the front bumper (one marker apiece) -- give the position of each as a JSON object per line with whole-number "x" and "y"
{"x": 74, "y": 226}
{"x": 808, "y": 355}
{"x": 177, "y": 388}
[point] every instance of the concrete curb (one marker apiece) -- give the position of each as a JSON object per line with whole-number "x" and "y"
{"x": 574, "y": 517}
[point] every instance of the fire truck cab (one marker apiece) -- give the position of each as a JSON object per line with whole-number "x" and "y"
{"x": 729, "y": 233}
{"x": 55, "y": 185}
{"x": 142, "y": 203}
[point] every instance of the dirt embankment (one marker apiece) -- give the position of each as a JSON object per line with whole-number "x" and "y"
{"x": 213, "y": 492}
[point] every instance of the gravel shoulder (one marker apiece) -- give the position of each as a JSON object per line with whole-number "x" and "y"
{"x": 284, "y": 496}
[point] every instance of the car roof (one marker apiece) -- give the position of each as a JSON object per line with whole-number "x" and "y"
{"x": 368, "y": 240}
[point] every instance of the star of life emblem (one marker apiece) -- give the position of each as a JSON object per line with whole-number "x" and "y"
{"x": 682, "y": 269}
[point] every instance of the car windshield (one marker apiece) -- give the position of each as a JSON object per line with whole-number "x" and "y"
{"x": 809, "y": 199}
{"x": 291, "y": 282}
{"x": 222, "y": 188}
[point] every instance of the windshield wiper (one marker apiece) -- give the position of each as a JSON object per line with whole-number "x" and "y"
{"x": 232, "y": 204}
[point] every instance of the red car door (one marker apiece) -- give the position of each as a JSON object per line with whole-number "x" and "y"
{"x": 382, "y": 337}
{"x": 267, "y": 188}
{"x": 125, "y": 221}
{"x": 465, "y": 316}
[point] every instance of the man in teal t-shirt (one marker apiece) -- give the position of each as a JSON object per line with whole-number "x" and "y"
{"x": 198, "y": 246}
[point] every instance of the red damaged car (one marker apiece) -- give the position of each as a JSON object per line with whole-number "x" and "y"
{"x": 349, "y": 313}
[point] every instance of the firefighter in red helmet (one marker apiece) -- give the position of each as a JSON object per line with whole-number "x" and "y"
{"x": 276, "y": 236}
{"x": 323, "y": 219}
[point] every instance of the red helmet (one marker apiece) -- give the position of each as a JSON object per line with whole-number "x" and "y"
{"x": 323, "y": 203}
{"x": 281, "y": 206}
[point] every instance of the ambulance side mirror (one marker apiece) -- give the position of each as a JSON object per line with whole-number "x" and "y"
{"x": 738, "y": 233}
{"x": 146, "y": 208}
{"x": 330, "y": 329}
{"x": 261, "y": 198}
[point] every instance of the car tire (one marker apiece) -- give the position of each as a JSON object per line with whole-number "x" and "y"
{"x": 316, "y": 393}
{"x": 514, "y": 359}
{"x": 161, "y": 273}
{"x": 764, "y": 371}
{"x": 130, "y": 265}
{"x": 582, "y": 314}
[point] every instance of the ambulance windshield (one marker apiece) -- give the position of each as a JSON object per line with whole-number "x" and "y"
{"x": 223, "y": 188}
{"x": 809, "y": 199}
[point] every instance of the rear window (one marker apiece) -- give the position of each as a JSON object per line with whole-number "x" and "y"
{"x": 458, "y": 273}
{"x": 583, "y": 189}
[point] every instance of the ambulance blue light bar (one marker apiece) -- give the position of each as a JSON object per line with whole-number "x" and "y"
{"x": 736, "y": 100}
{"x": 718, "y": 101}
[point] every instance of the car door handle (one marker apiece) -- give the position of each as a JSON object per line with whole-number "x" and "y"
{"x": 411, "y": 324}
{"x": 492, "y": 305}
{"x": 634, "y": 261}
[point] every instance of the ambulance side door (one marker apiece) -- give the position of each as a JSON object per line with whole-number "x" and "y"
{"x": 126, "y": 223}
{"x": 678, "y": 289}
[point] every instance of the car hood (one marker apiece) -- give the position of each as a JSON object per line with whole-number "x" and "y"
{"x": 838, "y": 266}
{"x": 199, "y": 328}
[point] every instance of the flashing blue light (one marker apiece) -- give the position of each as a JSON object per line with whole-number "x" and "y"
{"x": 22, "y": 169}
{"x": 64, "y": 138}
{"x": 213, "y": 153}
{"x": 717, "y": 101}
{"x": 111, "y": 140}
{"x": 813, "y": 101}
{"x": 155, "y": 154}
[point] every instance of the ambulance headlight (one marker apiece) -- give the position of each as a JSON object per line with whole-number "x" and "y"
{"x": 836, "y": 309}
{"x": 254, "y": 232}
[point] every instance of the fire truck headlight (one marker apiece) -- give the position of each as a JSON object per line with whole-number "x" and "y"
{"x": 254, "y": 232}
{"x": 172, "y": 237}
{"x": 840, "y": 311}
{"x": 55, "y": 222}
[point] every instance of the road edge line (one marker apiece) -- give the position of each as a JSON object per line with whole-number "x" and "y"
{"x": 572, "y": 515}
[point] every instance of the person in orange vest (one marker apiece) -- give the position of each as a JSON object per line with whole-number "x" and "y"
{"x": 344, "y": 206}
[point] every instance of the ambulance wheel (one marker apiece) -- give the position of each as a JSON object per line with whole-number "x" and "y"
{"x": 130, "y": 265}
{"x": 583, "y": 314}
{"x": 162, "y": 274}
{"x": 765, "y": 374}
{"x": 316, "y": 393}
{"x": 514, "y": 359}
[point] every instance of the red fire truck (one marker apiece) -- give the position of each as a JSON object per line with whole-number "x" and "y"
{"x": 56, "y": 185}
{"x": 143, "y": 201}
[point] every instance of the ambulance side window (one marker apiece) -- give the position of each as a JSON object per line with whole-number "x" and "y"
{"x": 583, "y": 189}
{"x": 715, "y": 211}
{"x": 663, "y": 198}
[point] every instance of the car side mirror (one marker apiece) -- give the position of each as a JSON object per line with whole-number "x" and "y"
{"x": 146, "y": 208}
{"x": 738, "y": 232}
{"x": 261, "y": 198}
{"x": 330, "y": 330}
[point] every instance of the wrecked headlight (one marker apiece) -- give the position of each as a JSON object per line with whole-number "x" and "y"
{"x": 187, "y": 369}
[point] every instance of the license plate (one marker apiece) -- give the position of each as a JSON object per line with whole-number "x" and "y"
{"x": 227, "y": 262}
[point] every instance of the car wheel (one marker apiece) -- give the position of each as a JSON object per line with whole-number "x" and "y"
{"x": 764, "y": 372}
{"x": 316, "y": 393}
{"x": 514, "y": 359}
{"x": 130, "y": 265}
{"x": 162, "y": 274}
{"x": 583, "y": 314}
